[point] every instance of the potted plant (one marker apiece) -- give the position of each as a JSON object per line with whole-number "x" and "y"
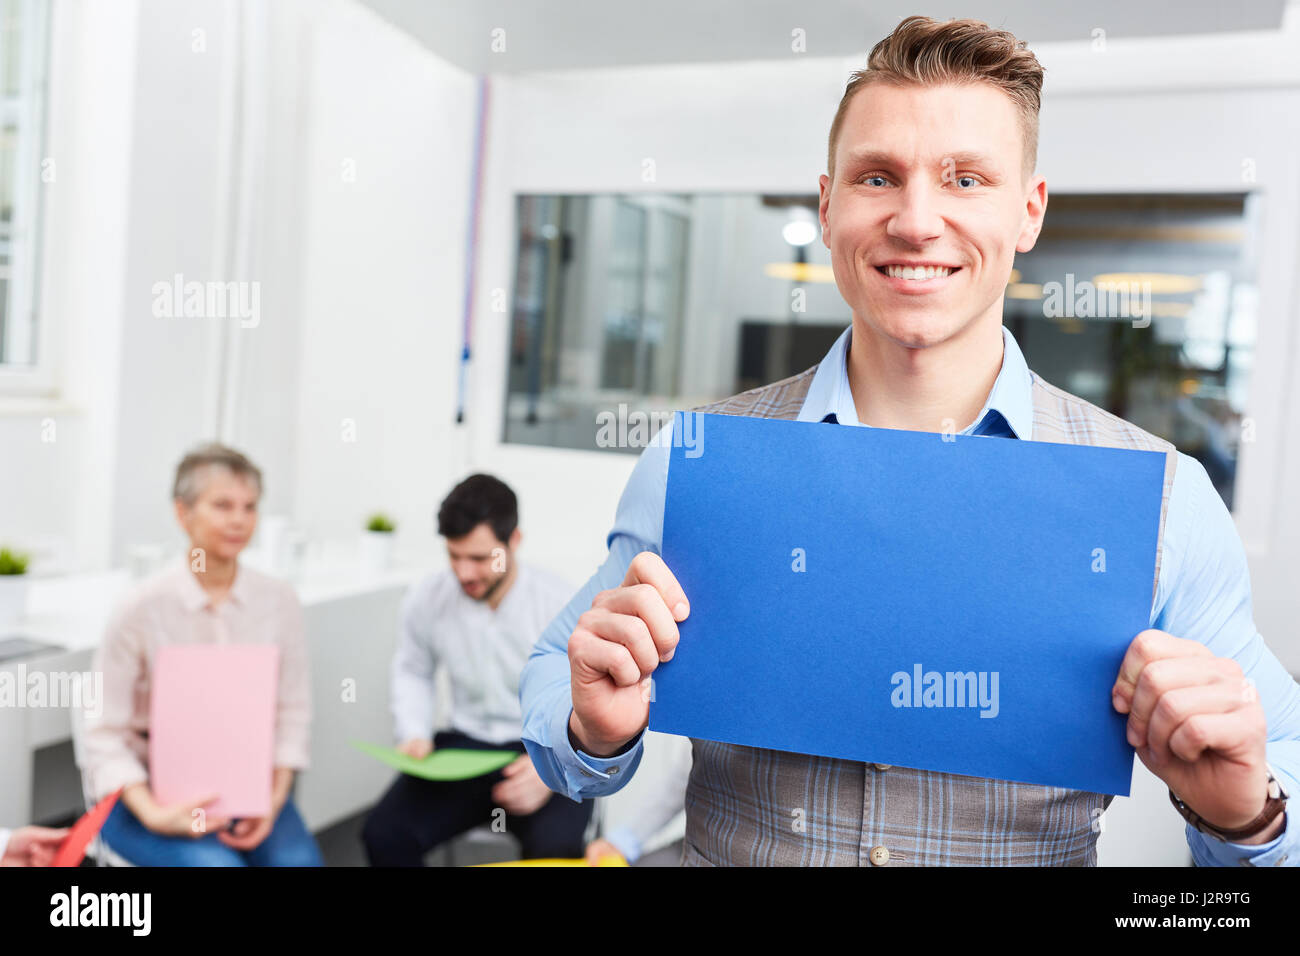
{"x": 377, "y": 543}
{"x": 13, "y": 586}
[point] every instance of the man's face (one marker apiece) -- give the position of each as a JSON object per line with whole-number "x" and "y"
{"x": 928, "y": 175}
{"x": 480, "y": 561}
{"x": 224, "y": 516}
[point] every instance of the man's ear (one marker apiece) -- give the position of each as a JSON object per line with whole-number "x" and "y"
{"x": 180, "y": 509}
{"x": 1035, "y": 211}
{"x": 515, "y": 537}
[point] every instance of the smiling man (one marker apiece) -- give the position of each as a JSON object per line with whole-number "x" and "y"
{"x": 930, "y": 192}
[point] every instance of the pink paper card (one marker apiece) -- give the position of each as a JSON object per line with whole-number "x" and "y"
{"x": 212, "y": 726}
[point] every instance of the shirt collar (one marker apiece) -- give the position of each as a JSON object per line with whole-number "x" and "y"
{"x": 195, "y": 598}
{"x": 1011, "y": 395}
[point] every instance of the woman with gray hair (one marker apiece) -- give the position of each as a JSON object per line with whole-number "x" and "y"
{"x": 207, "y": 598}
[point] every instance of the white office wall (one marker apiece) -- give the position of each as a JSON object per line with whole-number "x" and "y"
{"x": 58, "y": 455}
{"x": 385, "y": 169}
{"x": 177, "y": 202}
{"x": 139, "y": 132}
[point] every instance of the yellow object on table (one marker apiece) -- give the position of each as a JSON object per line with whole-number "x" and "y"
{"x": 610, "y": 859}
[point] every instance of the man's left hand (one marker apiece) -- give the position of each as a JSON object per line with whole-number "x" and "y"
{"x": 522, "y": 791}
{"x": 1197, "y": 723}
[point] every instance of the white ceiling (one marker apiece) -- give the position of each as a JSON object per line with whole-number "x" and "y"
{"x": 569, "y": 34}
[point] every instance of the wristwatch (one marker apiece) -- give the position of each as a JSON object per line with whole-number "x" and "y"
{"x": 1275, "y": 804}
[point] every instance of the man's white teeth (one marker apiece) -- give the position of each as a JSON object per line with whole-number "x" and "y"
{"x": 918, "y": 272}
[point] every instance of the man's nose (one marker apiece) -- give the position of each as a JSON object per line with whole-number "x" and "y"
{"x": 916, "y": 221}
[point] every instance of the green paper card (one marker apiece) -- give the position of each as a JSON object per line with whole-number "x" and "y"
{"x": 449, "y": 763}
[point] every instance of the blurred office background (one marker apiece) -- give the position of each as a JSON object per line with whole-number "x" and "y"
{"x": 624, "y": 196}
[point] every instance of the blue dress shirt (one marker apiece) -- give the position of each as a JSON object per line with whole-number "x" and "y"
{"x": 1203, "y": 594}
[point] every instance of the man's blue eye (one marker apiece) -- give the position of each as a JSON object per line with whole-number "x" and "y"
{"x": 973, "y": 180}
{"x": 869, "y": 178}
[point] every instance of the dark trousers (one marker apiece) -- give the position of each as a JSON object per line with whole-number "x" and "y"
{"x": 416, "y": 815}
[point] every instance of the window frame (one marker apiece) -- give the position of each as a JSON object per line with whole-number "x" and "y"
{"x": 27, "y": 114}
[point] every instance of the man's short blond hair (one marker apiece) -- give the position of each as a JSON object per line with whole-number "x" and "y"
{"x": 926, "y": 52}
{"x": 192, "y": 472}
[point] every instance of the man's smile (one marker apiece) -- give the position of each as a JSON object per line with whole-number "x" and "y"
{"x": 917, "y": 279}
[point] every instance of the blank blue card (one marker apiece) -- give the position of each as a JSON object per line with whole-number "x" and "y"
{"x": 952, "y": 603}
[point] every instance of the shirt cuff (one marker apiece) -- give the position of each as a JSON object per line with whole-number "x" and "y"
{"x": 4, "y": 842}
{"x": 588, "y": 775}
{"x": 1279, "y": 851}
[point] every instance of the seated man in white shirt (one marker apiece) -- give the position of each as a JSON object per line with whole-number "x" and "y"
{"x": 479, "y": 619}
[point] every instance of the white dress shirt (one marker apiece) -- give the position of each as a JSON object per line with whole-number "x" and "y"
{"x": 4, "y": 842}
{"x": 484, "y": 651}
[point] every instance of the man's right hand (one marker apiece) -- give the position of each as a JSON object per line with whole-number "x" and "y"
{"x": 417, "y": 748}
{"x": 614, "y": 650}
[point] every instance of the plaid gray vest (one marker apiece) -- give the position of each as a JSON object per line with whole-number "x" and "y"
{"x": 751, "y": 807}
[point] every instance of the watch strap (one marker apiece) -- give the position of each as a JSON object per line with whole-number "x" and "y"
{"x": 1273, "y": 805}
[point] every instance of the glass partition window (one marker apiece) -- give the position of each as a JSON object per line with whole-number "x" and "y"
{"x": 1146, "y": 306}
{"x": 22, "y": 66}
{"x": 630, "y": 306}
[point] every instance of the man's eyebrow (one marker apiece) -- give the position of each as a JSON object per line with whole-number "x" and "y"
{"x": 880, "y": 157}
{"x": 973, "y": 158}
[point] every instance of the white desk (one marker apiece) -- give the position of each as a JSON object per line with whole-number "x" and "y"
{"x": 351, "y": 627}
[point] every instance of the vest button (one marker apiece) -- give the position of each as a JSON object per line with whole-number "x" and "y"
{"x": 879, "y": 856}
{"x": 882, "y": 767}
